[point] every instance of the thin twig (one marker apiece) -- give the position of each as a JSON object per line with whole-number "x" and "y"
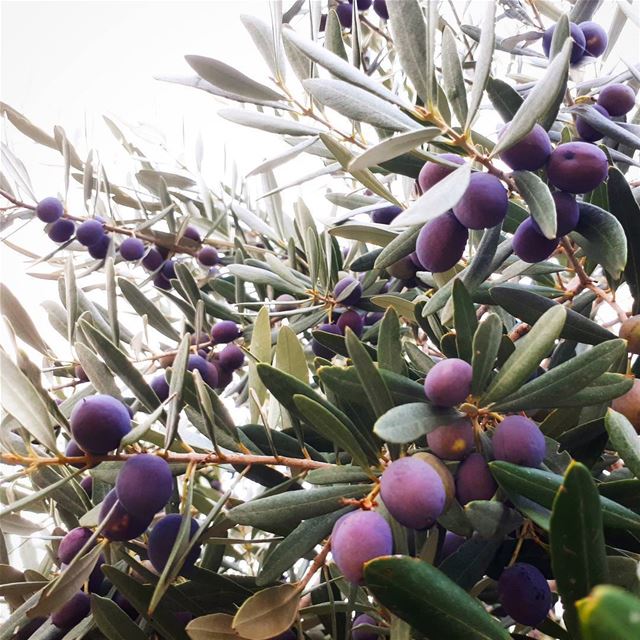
{"x": 316, "y": 564}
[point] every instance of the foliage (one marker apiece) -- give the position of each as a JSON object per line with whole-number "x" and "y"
{"x": 276, "y": 362}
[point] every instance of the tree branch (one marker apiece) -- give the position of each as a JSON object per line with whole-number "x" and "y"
{"x": 200, "y": 459}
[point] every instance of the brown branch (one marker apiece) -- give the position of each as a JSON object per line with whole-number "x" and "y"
{"x": 377, "y": 30}
{"x": 316, "y": 564}
{"x": 587, "y": 283}
{"x": 608, "y": 298}
{"x": 463, "y": 141}
{"x": 188, "y": 458}
{"x": 19, "y": 203}
{"x": 585, "y": 280}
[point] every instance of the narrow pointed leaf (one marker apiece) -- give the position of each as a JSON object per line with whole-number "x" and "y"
{"x": 24, "y": 403}
{"x": 260, "y": 348}
{"x": 97, "y": 372}
{"x": 285, "y": 388}
{"x": 229, "y": 79}
{"x": 389, "y": 344}
{"x": 440, "y": 198}
{"x": 113, "y": 621}
{"x": 214, "y": 626}
{"x": 69, "y": 582}
{"x": 453, "y": 80}
{"x": 562, "y": 384}
{"x": 297, "y": 544}
{"x": 607, "y": 127}
{"x": 291, "y": 507}
{"x": 577, "y": 540}
{"x": 465, "y": 320}
{"x": 626, "y": 209}
{"x": 484, "y": 58}
{"x": 402, "y": 245}
{"x": 504, "y": 98}
{"x": 21, "y": 320}
{"x": 358, "y": 104}
{"x": 119, "y": 363}
{"x": 409, "y": 32}
{"x": 290, "y": 356}
{"x": 602, "y": 238}
{"x": 144, "y": 306}
{"x": 268, "y": 613}
{"x": 344, "y": 157}
{"x": 393, "y": 147}
{"x": 329, "y": 426}
{"x": 262, "y": 36}
{"x": 340, "y": 68}
{"x": 486, "y": 344}
{"x": 609, "y": 613}
{"x": 429, "y": 601}
{"x": 542, "y": 487}
{"x": 530, "y": 350}
{"x": 264, "y": 122}
{"x": 333, "y": 36}
{"x": 176, "y": 386}
{"x": 529, "y": 307}
{"x": 163, "y": 620}
{"x": 373, "y": 383}
{"x": 538, "y": 198}
{"x": 402, "y": 306}
{"x": 408, "y": 422}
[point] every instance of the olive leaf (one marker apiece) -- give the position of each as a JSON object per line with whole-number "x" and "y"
{"x": 268, "y": 613}
{"x": 229, "y": 79}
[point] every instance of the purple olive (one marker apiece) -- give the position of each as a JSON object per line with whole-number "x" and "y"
{"x": 484, "y": 203}
{"x": 61, "y": 230}
{"x": 412, "y": 492}
{"x": 49, "y": 209}
{"x": 440, "y": 244}
{"x": 519, "y": 440}
{"x": 132, "y": 249}
{"x": 529, "y": 153}
{"x": 596, "y": 38}
{"x": 586, "y": 131}
{"x": 448, "y": 382}
{"x": 577, "y": 167}
{"x": 579, "y": 42}
{"x": 617, "y": 98}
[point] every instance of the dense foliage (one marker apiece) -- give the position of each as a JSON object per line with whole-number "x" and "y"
{"x": 417, "y": 419}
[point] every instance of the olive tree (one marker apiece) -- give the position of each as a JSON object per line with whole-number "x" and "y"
{"x": 415, "y": 418}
